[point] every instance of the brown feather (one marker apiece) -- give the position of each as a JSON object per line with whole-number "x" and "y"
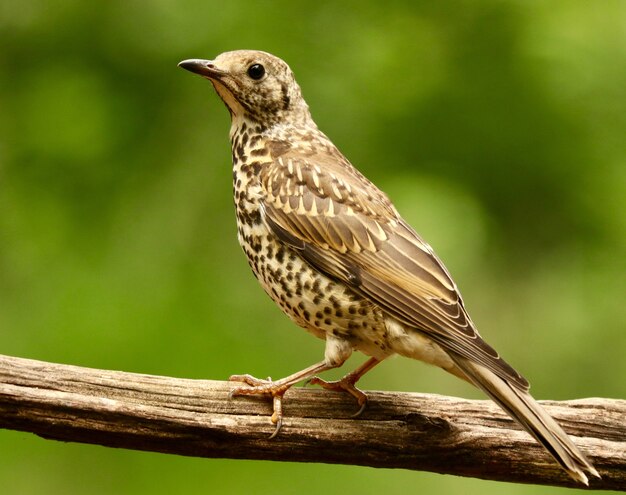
{"x": 353, "y": 234}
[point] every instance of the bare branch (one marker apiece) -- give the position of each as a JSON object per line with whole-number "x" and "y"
{"x": 398, "y": 430}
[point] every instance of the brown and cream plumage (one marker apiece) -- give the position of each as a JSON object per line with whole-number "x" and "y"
{"x": 332, "y": 251}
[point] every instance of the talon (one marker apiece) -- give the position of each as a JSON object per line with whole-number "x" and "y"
{"x": 361, "y": 409}
{"x": 345, "y": 385}
{"x": 279, "y": 425}
{"x": 277, "y": 415}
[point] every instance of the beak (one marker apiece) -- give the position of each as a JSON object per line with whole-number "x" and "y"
{"x": 204, "y": 68}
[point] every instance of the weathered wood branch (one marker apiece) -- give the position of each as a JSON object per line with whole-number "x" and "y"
{"x": 399, "y": 430}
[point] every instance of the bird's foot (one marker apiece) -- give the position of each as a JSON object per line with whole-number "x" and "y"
{"x": 257, "y": 386}
{"x": 276, "y": 389}
{"x": 345, "y": 385}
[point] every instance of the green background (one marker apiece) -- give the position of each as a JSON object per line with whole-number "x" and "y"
{"x": 497, "y": 127}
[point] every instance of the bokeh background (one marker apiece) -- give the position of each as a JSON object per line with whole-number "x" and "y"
{"x": 497, "y": 127}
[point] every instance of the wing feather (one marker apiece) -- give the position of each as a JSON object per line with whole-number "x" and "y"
{"x": 348, "y": 229}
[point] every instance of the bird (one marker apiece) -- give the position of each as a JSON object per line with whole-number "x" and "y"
{"x": 330, "y": 248}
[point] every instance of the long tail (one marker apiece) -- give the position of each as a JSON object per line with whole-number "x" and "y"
{"x": 521, "y": 406}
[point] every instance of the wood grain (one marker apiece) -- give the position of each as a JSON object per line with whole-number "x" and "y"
{"x": 398, "y": 430}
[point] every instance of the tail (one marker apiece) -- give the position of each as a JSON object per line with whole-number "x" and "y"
{"x": 521, "y": 406}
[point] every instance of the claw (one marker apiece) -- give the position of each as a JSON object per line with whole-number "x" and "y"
{"x": 361, "y": 409}
{"x": 279, "y": 425}
{"x": 345, "y": 385}
{"x": 277, "y": 415}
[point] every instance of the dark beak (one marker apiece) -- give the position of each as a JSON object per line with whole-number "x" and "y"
{"x": 204, "y": 68}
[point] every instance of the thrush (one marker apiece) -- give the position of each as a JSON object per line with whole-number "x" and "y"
{"x": 332, "y": 251}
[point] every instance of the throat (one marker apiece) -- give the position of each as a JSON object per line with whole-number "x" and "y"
{"x": 250, "y": 156}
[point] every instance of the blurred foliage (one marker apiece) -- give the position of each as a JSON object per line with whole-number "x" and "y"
{"x": 497, "y": 127}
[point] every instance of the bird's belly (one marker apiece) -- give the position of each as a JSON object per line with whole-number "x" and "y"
{"x": 312, "y": 300}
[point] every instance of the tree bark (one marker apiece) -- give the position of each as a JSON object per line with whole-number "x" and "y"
{"x": 397, "y": 430}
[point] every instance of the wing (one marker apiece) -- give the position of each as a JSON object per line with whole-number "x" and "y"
{"x": 348, "y": 229}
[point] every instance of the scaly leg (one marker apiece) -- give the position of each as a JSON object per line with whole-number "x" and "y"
{"x": 276, "y": 389}
{"x": 347, "y": 383}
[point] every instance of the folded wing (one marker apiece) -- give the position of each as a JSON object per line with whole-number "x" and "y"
{"x": 348, "y": 229}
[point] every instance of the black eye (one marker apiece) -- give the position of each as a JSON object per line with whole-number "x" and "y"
{"x": 256, "y": 71}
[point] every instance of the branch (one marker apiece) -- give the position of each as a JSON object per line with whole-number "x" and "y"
{"x": 398, "y": 430}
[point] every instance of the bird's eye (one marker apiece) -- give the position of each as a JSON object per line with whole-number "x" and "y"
{"x": 256, "y": 71}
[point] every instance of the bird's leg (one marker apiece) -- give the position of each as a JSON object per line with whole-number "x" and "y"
{"x": 347, "y": 383}
{"x": 276, "y": 389}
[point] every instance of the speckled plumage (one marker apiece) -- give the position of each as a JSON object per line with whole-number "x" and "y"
{"x": 332, "y": 251}
{"x": 311, "y": 299}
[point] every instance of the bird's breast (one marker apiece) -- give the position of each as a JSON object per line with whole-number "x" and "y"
{"x": 311, "y": 299}
{"x": 314, "y": 301}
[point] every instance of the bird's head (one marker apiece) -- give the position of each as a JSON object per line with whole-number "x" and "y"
{"x": 254, "y": 85}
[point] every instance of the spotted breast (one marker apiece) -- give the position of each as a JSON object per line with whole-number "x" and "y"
{"x": 314, "y": 301}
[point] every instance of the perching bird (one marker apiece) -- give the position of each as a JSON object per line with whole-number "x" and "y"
{"x": 332, "y": 251}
